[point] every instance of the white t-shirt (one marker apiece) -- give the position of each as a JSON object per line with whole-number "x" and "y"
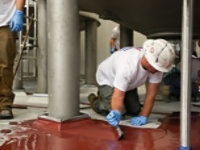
{"x": 116, "y": 35}
{"x": 7, "y": 11}
{"x": 124, "y": 71}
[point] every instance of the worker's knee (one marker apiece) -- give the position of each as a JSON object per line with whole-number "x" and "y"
{"x": 102, "y": 107}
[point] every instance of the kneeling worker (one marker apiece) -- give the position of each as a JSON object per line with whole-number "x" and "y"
{"x": 120, "y": 74}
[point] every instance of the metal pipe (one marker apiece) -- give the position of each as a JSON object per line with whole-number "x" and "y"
{"x": 126, "y": 36}
{"x": 42, "y": 54}
{"x": 27, "y": 21}
{"x": 63, "y": 58}
{"x": 91, "y": 51}
{"x": 35, "y": 37}
{"x": 185, "y": 73}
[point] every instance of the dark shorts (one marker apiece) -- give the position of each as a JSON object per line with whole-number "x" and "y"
{"x": 131, "y": 101}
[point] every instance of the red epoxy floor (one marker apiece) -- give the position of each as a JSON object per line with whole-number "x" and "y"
{"x": 90, "y": 134}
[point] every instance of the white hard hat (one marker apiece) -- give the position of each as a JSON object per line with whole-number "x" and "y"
{"x": 160, "y": 54}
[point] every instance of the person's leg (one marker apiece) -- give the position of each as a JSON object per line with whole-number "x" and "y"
{"x": 7, "y": 56}
{"x": 131, "y": 102}
{"x": 195, "y": 92}
{"x": 103, "y": 104}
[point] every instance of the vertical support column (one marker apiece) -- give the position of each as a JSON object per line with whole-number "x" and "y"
{"x": 42, "y": 47}
{"x": 27, "y": 23}
{"x": 63, "y": 58}
{"x": 91, "y": 51}
{"x": 126, "y": 36}
{"x": 185, "y": 74}
{"x": 34, "y": 66}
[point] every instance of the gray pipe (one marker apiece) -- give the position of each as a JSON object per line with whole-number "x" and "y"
{"x": 185, "y": 72}
{"x": 63, "y": 58}
{"x": 126, "y": 36}
{"x": 35, "y": 3}
{"x": 42, "y": 47}
{"x": 91, "y": 51}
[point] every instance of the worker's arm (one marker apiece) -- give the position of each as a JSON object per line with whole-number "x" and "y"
{"x": 148, "y": 105}
{"x": 20, "y": 4}
{"x": 16, "y": 23}
{"x": 112, "y": 45}
{"x": 149, "y": 99}
{"x": 117, "y": 103}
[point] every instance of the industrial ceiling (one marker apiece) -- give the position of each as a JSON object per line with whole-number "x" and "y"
{"x": 153, "y": 18}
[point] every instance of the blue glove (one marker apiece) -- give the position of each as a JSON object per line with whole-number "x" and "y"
{"x": 185, "y": 148}
{"x": 112, "y": 50}
{"x": 16, "y": 22}
{"x": 138, "y": 121}
{"x": 114, "y": 117}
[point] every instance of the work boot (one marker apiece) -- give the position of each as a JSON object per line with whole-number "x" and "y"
{"x": 6, "y": 113}
{"x": 92, "y": 98}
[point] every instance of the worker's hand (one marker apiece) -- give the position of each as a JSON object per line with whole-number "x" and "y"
{"x": 114, "y": 117}
{"x": 138, "y": 121}
{"x": 112, "y": 50}
{"x": 16, "y": 22}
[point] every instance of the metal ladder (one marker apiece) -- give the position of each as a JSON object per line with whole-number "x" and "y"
{"x": 28, "y": 66}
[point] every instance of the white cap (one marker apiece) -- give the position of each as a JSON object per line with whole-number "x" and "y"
{"x": 160, "y": 54}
